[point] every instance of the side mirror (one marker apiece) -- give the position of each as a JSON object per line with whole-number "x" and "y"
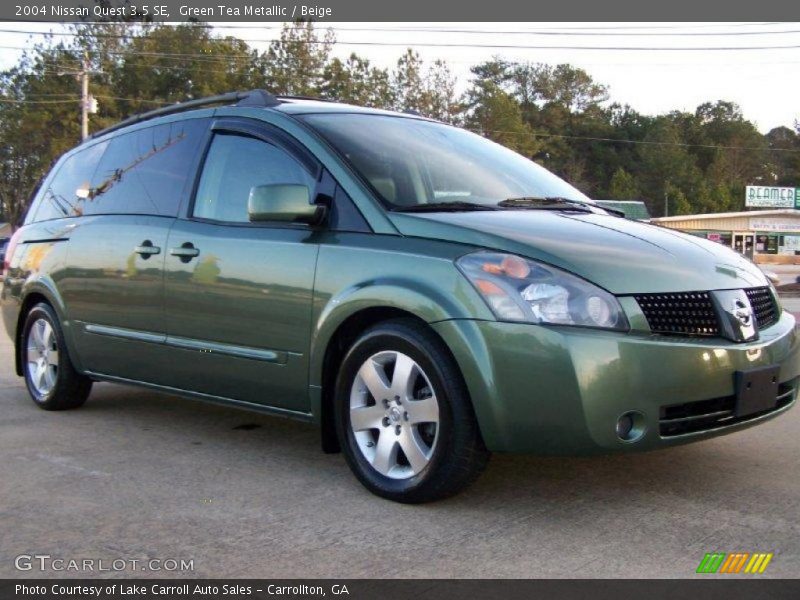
{"x": 287, "y": 202}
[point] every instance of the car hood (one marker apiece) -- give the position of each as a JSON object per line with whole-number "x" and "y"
{"x": 622, "y": 256}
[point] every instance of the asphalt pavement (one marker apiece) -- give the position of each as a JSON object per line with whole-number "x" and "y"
{"x": 139, "y": 475}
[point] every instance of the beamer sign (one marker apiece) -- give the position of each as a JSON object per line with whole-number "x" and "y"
{"x": 772, "y": 197}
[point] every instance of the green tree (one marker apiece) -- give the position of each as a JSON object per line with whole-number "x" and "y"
{"x": 355, "y": 81}
{"x": 666, "y": 166}
{"x": 561, "y": 84}
{"x": 295, "y": 64}
{"x": 623, "y": 186}
{"x": 785, "y": 156}
{"x": 427, "y": 90}
{"x": 741, "y": 156}
{"x": 555, "y": 114}
{"x": 497, "y": 116}
{"x": 171, "y": 64}
{"x": 678, "y": 204}
{"x": 38, "y": 122}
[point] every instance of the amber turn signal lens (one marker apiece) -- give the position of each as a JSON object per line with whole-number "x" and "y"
{"x": 515, "y": 267}
{"x": 488, "y": 288}
{"x": 512, "y": 266}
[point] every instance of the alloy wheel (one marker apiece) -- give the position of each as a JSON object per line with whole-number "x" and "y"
{"x": 394, "y": 415}
{"x": 42, "y": 356}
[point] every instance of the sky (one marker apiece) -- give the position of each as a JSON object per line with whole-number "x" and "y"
{"x": 764, "y": 82}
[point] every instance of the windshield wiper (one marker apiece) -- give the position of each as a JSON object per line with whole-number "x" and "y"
{"x": 556, "y": 203}
{"x": 444, "y": 207}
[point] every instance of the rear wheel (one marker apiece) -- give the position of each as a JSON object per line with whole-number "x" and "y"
{"x": 52, "y": 381}
{"x": 404, "y": 418}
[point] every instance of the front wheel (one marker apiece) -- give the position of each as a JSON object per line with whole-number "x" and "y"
{"x": 52, "y": 381}
{"x": 404, "y": 418}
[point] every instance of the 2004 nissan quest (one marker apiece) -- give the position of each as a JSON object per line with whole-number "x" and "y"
{"x": 423, "y": 294}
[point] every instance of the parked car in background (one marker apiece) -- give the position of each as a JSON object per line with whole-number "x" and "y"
{"x": 424, "y": 295}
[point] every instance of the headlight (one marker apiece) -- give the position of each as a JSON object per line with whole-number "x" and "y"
{"x": 517, "y": 289}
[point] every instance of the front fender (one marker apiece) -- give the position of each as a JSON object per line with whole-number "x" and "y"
{"x": 418, "y": 277}
{"x": 412, "y": 296}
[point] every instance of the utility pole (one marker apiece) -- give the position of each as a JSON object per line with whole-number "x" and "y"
{"x": 666, "y": 203}
{"x": 88, "y": 104}
{"x": 84, "y": 75}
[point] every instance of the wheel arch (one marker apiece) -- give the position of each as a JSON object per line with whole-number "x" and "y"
{"x": 35, "y": 292}
{"x": 335, "y": 349}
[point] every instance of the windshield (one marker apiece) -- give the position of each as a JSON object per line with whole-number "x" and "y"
{"x": 411, "y": 162}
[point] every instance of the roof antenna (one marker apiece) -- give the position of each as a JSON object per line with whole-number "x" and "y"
{"x": 259, "y": 98}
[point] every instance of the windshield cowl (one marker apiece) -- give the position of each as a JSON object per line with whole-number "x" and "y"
{"x": 444, "y": 207}
{"x": 558, "y": 203}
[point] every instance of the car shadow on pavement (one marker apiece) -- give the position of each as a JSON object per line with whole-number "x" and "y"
{"x": 292, "y": 448}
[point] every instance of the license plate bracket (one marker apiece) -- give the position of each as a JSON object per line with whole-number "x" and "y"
{"x": 756, "y": 390}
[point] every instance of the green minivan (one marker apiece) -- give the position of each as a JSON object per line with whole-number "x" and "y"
{"x": 422, "y": 294}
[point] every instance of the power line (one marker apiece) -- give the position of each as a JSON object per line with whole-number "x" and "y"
{"x": 535, "y": 46}
{"x": 77, "y": 98}
{"x": 12, "y": 101}
{"x": 532, "y": 32}
{"x": 200, "y": 25}
{"x": 556, "y": 28}
{"x": 67, "y": 95}
{"x": 158, "y": 102}
{"x": 498, "y": 46}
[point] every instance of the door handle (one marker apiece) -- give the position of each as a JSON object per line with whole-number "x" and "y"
{"x": 146, "y": 249}
{"x": 186, "y": 252}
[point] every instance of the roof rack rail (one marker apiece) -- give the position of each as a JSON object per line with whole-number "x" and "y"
{"x": 300, "y": 97}
{"x": 259, "y": 98}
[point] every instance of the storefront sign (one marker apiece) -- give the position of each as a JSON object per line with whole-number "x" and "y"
{"x": 772, "y": 197}
{"x": 791, "y": 243}
{"x": 714, "y": 237}
{"x": 773, "y": 224}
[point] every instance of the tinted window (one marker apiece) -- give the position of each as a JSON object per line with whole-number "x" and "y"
{"x": 234, "y": 165}
{"x": 411, "y": 162}
{"x": 144, "y": 172}
{"x": 65, "y": 192}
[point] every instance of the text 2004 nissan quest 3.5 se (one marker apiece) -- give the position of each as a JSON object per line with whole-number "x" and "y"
{"x": 424, "y": 295}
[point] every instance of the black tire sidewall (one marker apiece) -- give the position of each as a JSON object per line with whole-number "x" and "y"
{"x": 399, "y": 339}
{"x": 43, "y": 311}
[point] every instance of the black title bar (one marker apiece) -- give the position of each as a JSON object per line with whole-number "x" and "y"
{"x": 713, "y": 588}
{"x": 408, "y": 10}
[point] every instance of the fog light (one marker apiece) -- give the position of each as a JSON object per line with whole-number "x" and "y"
{"x": 624, "y": 426}
{"x": 630, "y": 426}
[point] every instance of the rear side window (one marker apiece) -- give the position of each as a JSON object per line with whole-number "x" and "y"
{"x": 141, "y": 172}
{"x": 145, "y": 171}
{"x": 233, "y": 166}
{"x": 65, "y": 192}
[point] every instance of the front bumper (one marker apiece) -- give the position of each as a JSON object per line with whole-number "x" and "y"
{"x": 561, "y": 390}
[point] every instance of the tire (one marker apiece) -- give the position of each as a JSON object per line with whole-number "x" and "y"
{"x": 417, "y": 445}
{"x": 52, "y": 382}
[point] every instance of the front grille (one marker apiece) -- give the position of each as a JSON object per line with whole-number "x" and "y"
{"x": 693, "y": 313}
{"x": 684, "y": 313}
{"x": 763, "y": 306}
{"x": 695, "y": 417}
